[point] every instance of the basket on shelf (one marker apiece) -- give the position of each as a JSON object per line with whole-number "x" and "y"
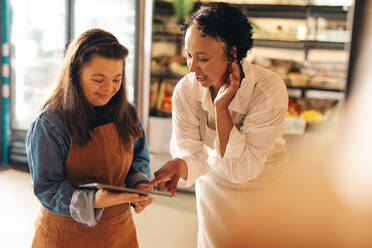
{"x": 294, "y": 125}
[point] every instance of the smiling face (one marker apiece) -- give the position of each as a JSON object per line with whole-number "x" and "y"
{"x": 206, "y": 58}
{"x": 100, "y": 79}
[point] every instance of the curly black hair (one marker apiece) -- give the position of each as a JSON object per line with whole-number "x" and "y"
{"x": 225, "y": 22}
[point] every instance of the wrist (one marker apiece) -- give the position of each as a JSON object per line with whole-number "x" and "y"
{"x": 95, "y": 204}
{"x": 182, "y": 168}
{"x": 221, "y": 108}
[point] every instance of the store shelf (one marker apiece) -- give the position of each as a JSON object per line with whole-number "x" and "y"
{"x": 314, "y": 88}
{"x": 293, "y": 91}
{"x": 322, "y": 94}
{"x": 301, "y": 45}
{"x": 315, "y": 92}
{"x": 166, "y": 36}
{"x": 273, "y": 43}
{"x": 324, "y": 28}
{"x": 295, "y": 11}
{"x": 274, "y": 10}
{"x": 166, "y": 75}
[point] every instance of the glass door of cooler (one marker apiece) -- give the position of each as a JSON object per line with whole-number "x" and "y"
{"x": 37, "y": 41}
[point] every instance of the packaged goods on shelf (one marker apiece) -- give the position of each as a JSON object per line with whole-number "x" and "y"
{"x": 330, "y": 2}
{"x": 294, "y": 125}
{"x": 328, "y": 75}
{"x": 303, "y": 41}
{"x": 278, "y": 29}
{"x": 304, "y": 112}
{"x": 298, "y": 79}
{"x": 293, "y": 109}
{"x": 163, "y": 48}
{"x": 310, "y": 109}
{"x": 158, "y": 25}
{"x": 156, "y": 66}
{"x": 164, "y": 99}
{"x": 328, "y": 82}
{"x": 177, "y": 66}
{"x": 288, "y": 70}
{"x": 178, "y": 69}
{"x": 169, "y": 66}
{"x": 311, "y": 115}
{"x": 154, "y": 89}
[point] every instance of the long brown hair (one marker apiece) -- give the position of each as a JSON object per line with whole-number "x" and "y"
{"x": 68, "y": 96}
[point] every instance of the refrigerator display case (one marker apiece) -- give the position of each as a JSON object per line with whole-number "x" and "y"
{"x": 305, "y": 42}
{"x": 36, "y": 51}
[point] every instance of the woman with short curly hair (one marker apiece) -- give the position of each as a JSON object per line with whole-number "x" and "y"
{"x": 228, "y": 124}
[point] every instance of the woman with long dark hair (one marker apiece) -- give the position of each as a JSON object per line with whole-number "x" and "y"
{"x": 86, "y": 132}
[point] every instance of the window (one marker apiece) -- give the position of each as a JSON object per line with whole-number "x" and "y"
{"x": 37, "y": 40}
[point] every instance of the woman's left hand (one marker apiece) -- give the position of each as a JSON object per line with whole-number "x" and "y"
{"x": 229, "y": 88}
{"x": 141, "y": 205}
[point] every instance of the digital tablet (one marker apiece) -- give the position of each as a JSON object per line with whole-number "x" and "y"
{"x": 119, "y": 189}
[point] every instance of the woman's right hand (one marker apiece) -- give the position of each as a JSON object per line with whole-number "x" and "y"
{"x": 104, "y": 198}
{"x": 228, "y": 89}
{"x": 167, "y": 177}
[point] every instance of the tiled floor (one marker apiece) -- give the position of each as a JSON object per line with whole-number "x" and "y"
{"x": 168, "y": 222}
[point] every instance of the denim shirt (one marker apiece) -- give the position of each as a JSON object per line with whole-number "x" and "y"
{"x": 47, "y": 147}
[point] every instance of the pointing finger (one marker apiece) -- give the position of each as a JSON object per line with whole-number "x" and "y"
{"x": 158, "y": 179}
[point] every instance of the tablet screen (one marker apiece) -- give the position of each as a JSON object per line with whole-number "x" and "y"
{"x": 119, "y": 189}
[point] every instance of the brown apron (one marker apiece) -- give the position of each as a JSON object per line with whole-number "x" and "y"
{"x": 104, "y": 159}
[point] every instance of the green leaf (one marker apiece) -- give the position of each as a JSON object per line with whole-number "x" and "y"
{"x": 182, "y": 8}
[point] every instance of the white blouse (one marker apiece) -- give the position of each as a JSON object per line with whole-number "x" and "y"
{"x": 258, "y": 111}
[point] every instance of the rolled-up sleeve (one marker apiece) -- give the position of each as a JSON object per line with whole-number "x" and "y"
{"x": 186, "y": 141}
{"x": 82, "y": 210}
{"x": 249, "y": 146}
{"x": 47, "y": 150}
{"x": 251, "y": 139}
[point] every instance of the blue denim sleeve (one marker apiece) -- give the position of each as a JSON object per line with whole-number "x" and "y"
{"x": 139, "y": 171}
{"x": 47, "y": 149}
{"x": 46, "y": 155}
